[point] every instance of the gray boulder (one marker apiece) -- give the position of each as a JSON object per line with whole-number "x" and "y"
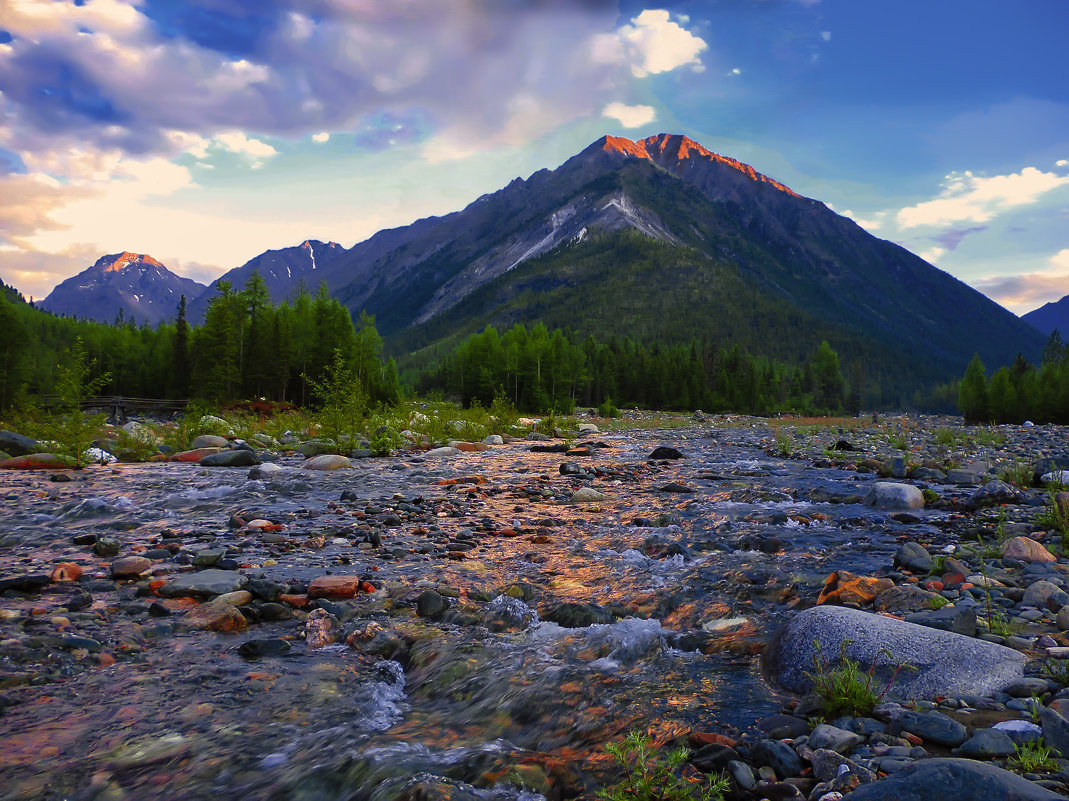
{"x": 239, "y": 458}
{"x": 931, "y": 662}
{"x": 955, "y": 618}
{"x": 951, "y": 780}
{"x": 18, "y": 445}
{"x": 204, "y": 584}
{"x": 891, "y": 495}
{"x": 209, "y": 441}
{"x": 913, "y": 557}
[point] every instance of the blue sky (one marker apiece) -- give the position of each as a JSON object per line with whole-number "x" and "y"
{"x": 203, "y": 132}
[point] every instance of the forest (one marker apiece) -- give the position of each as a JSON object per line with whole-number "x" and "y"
{"x": 249, "y": 348}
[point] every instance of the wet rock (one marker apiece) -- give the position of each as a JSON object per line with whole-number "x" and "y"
{"x": 1055, "y": 729}
{"x": 214, "y": 616}
{"x": 107, "y": 546}
{"x": 66, "y": 571}
{"x": 338, "y": 587}
{"x": 204, "y": 584}
{"x": 237, "y": 598}
{"x": 194, "y": 455}
{"x": 16, "y": 444}
{"x": 951, "y": 780}
{"x": 317, "y": 448}
{"x": 577, "y": 616}
{"x": 31, "y": 582}
{"x": 779, "y": 756}
{"x": 783, "y": 727}
{"x": 130, "y": 566}
{"x": 328, "y": 462}
{"x": 1043, "y": 466}
{"x": 1045, "y": 595}
{"x": 890, "y": 495}
{"x": 933, "y": 727}
{"x": 713, "y": 757}
{"x": 1020, "y": 731}
{"x": 994, "y": 493}
{"x": 842, "y": 588}
{"x": 37, "y": 461}
{"x": 430, "y": 604}
{"x": 235, "y": 458}
{"x": 987, "y": 744}
{"x": 913, "y": 557}
{"x": 320, "y": 628}
{"x": 1025, "y": 549}
{"x": 208, "y": 441}
{"x": 443, "y": 453}
{"x": 958, "y": 619}
{"x": 827, "y": 764}
{"x": 664, "y": 452}
{"x": 269, "y": 646}
{"x": 587, "y": 494}
{"x": 149, "y": 751}
{"x": 943, "y": 663}
{"x": 494, "y": 439}
{"x": 834, "y": 739}
{"x": 675, "y": 486}
{"x": 903, "y": 598}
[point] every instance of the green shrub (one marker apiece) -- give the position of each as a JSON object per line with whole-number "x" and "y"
{"x": 844, "y": 688}
{"x": 607, "y": 409}
{"x": 648, "y": 779}
{"x": 1033, "y": 757}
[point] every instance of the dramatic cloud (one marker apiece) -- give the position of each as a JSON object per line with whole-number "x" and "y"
{"x": 630, "y": 116}
{"x": 657, "y": 44}
{"x": 1023, "y": 293}
{"x": 972, "y": 198}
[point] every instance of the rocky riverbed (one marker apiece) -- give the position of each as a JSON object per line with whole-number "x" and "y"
{"x": 479, "y": 621}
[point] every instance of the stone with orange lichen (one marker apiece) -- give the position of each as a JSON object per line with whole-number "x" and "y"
{"x": 194, "y": 455}
{"x": 340, "y": 587}
{"x": 842, "y": 587}
{"x": 696, "y": 739}
{"x": 66, "y": 571}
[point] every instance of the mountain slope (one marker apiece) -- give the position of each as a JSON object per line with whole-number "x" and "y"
{"x": 864, "y": 294}
{"x": 1050, "y": 316}
{"x": 133, "y": 284}
{"x": 282, "y": 270}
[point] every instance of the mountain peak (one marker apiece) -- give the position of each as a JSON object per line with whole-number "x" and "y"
{"x": 674, "y": 149}
{"x": 120, "y": 261}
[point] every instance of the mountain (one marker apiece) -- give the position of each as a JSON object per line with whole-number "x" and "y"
{"x": 664, "y": 239}
{"x": 1050, "y": 316}
{"x": 283, "y": 271}
{"x": 133, "y": 284}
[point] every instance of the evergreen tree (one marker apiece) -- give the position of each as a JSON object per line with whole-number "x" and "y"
{"x": 13, "y": 354}
{"x": 180, "y": 359}
{"x": 972, "y": 393}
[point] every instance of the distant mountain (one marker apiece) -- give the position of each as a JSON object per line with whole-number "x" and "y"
{"x": 1050, "y": 316}
{"x": 283, "y": 272}
{"x": 723, "y": 253}
{"x": 136, "y": 285}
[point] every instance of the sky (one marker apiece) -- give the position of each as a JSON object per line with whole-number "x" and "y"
{"x": 204, "y": 132}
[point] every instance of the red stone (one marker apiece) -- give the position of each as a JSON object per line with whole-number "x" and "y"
{"x": 66, "y": 571}
{"x": 334, "y": 587}
{"x": 194, "y": 455}
{"x": 37, "y": 461}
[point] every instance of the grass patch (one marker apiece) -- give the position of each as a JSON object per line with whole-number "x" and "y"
{"x": 1033, "y": 757}
{"x": 647, "y": 778}
{"x": 844, "y": 688}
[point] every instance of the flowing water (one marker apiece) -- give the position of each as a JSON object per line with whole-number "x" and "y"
{"x": 673, "y": 591}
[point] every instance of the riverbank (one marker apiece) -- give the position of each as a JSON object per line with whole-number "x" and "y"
{"x": 489, "y": 617}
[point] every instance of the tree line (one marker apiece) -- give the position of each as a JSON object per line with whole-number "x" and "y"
{"x": 544, "y": 371}
{"x": 246, "y": 348}
{"x": 1020, "y": 391}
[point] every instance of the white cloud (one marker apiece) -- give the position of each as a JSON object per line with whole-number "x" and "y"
{"x": 735, "y": 71}
{"x": 1062, "y": 163}
{"x": 630, "y": 116}
{"x": 825, "y": 36}
{"x": 657, "y": 44}
{"x": 872, "y": 224}
{"x": 967, "y": 197}
{"x": 237, "y": 142}
{"x": 320, "y": 138}
{"x": 931, "y": 255}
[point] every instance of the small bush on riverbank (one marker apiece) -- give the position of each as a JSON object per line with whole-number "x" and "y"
{"x": 647, "y": 778}
{"x": 844, "y": 688}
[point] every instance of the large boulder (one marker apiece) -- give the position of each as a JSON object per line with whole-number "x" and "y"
{"x": 209, "y": 441}
{"x": 951, "y": 780}
{"x": 37, "y": 461}
{"x": 237, "y": 458}
{"x": 18, "y": 445}
{"x": 930, "y": 662}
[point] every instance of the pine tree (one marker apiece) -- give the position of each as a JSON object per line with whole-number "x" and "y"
{"x": 180, "y": 359}
{"x": 972, "y": 393}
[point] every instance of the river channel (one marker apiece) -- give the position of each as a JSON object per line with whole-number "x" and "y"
{"x": 563, "y": 624}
